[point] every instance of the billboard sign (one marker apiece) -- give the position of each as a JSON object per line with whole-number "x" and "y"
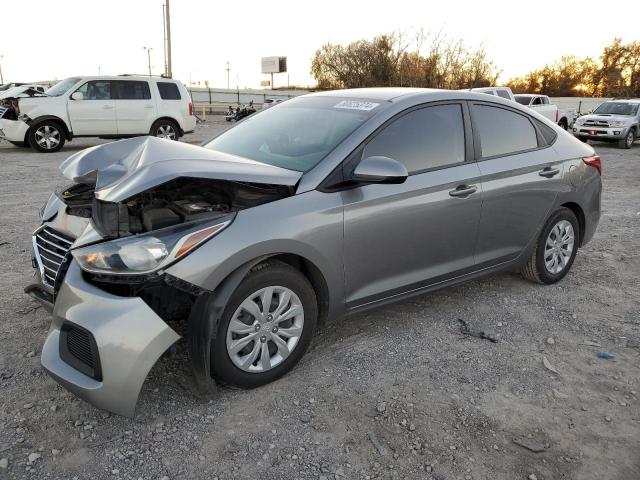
{"x": 274, "y": 64}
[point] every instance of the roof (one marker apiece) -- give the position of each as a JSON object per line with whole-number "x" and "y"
{"x": 376, "y": 93}
{"x": 625, "y": 100}
{"x": 125, "y": 77}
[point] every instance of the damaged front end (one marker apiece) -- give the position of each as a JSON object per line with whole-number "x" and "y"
{"x": 136, "y": 207}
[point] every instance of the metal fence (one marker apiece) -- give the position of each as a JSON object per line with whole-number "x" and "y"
{"x": 210, "y": 96}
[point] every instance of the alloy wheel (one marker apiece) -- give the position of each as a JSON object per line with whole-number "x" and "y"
{"x": 630, "y": 138}
{"x": 265, "y": 329}
{"x": 559, "y": 247}
{"x": 166, "y": 131}
{"x": 47, "y": 137}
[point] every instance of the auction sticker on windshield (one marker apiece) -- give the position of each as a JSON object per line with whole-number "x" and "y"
{"x": 356, "y": 105}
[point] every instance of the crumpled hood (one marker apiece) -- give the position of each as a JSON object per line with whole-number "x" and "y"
{"x": 124, "y": 168}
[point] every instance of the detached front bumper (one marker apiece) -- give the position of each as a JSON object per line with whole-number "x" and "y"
{"x": 600, "y": 133}
{"x": 13, "y": 130}
{"x": 101, "y": 346}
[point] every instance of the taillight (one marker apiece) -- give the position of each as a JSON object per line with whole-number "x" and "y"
{"x": 190, "y": 108}
{"x": 594, "y": 162}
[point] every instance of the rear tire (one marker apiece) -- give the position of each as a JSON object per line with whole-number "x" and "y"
{"x": 627, "y": 141}
{"x": 165, "y": 128}
{"x": 559, "y": 239}
{"x": 244, "y": 368}
{"x": 47, "y": 136}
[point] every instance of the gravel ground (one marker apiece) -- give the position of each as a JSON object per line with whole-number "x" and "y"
{"x": 397, "y": 392}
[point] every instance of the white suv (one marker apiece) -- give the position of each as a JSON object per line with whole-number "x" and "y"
{"x": 106, "y": 107}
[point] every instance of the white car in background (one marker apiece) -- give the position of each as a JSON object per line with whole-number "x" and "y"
{"x": 27, "y": 90}
{"x": 542, "y": 104}
{"x": 270, "y": 102}
{"x": 503, "y": 92}
{"x": 106, "y": 107}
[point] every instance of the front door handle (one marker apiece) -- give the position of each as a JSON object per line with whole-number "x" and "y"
{"x": 463, "y": 191}
{"x": 107, "y": 107}
{"x": 549, "y": 172}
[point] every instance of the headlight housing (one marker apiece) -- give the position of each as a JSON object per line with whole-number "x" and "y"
{"x": 617, "y": 123}
{"x": 580, "y": 120}
{"x": 147, "y": 252}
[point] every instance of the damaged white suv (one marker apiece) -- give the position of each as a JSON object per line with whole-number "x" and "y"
{"x": 106, "y": 107}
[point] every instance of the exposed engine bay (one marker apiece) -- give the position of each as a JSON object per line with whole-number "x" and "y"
{"x": 178, "y": 201}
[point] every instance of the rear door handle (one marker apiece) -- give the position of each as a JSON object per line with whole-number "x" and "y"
{"x": 107, "y": 107}
{"x": 549, "y": 172}
{"x": 463, "y": 191}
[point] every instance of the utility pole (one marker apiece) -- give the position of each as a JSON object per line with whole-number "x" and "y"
{"x": 168, "y": 34}
{"x": 1, "y": 77}
{"x": 164, "y": 39}
{"x": 99, "y": 70}
{"x": 148, "y": 49}
{"x": 228, "y": 69}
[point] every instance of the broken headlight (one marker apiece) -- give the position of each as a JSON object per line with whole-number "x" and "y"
{"x": 148, "y": 252}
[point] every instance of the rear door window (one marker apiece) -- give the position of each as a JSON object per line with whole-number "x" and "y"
{"x": 504, "y": 94}
{"x": 502, "y": 131}
{"x": 423, "y": 139}
{"x": 132, "y": 90}
{"x": 169, "y": 91}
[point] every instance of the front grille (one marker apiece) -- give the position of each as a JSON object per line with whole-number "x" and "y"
{"x": 52, "y": 251}
{"x": 596, "y": 123}
{"x": 78, "y": 348}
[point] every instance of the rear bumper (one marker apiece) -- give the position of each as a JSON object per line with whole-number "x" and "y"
{"x": 128, "y": 340}
{"x": 13, "y": 130}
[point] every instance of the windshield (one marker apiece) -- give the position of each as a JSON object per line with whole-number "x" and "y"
{"x": 62, "y": 87}
{"x": 617, "y": 108}
{"x": 523, "y": 100}
{"x": 296, "y": 134}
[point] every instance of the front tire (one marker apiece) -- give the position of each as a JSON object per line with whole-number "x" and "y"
{"x": 165, "y": 128}
{"x": 266, "y": 326}
{"x": 47, "y": 136}
{"x": 555, "y": 249}
{"x": 627, "y": 141}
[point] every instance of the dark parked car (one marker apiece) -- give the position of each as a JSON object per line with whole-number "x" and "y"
{"x": 328, "y": 204}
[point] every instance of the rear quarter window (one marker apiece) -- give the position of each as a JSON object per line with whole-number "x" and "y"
{"x": 169, "y": 91}
{"x": 502, "y": 131}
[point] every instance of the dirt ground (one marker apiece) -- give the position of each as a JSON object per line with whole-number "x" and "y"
{"x": 397, "y": 392}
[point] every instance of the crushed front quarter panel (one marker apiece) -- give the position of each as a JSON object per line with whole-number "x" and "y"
{"x": 129, "y": 336}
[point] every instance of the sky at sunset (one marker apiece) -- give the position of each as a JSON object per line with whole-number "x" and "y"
{"x": 43, "y": 40}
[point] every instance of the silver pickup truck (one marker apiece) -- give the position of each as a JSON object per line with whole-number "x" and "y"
{"x": 613, "y": 121}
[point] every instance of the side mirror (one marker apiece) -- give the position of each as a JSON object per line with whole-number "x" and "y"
{"x": 77, "y": 96}
{"x": 378, "y": 169}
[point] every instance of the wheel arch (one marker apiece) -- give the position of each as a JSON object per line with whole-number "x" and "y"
{"x": 202, "y": 324}
{"x": 38, "y": 120}
{"x": 167, "y": 117}
{"x": 579, "y": 213}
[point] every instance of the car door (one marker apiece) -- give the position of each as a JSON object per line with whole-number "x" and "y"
{"x": 521, "y": 178}
{"x": 135, "y": 109}
{"x": 403, "y": 237}
{"x": 95, "y": 114}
